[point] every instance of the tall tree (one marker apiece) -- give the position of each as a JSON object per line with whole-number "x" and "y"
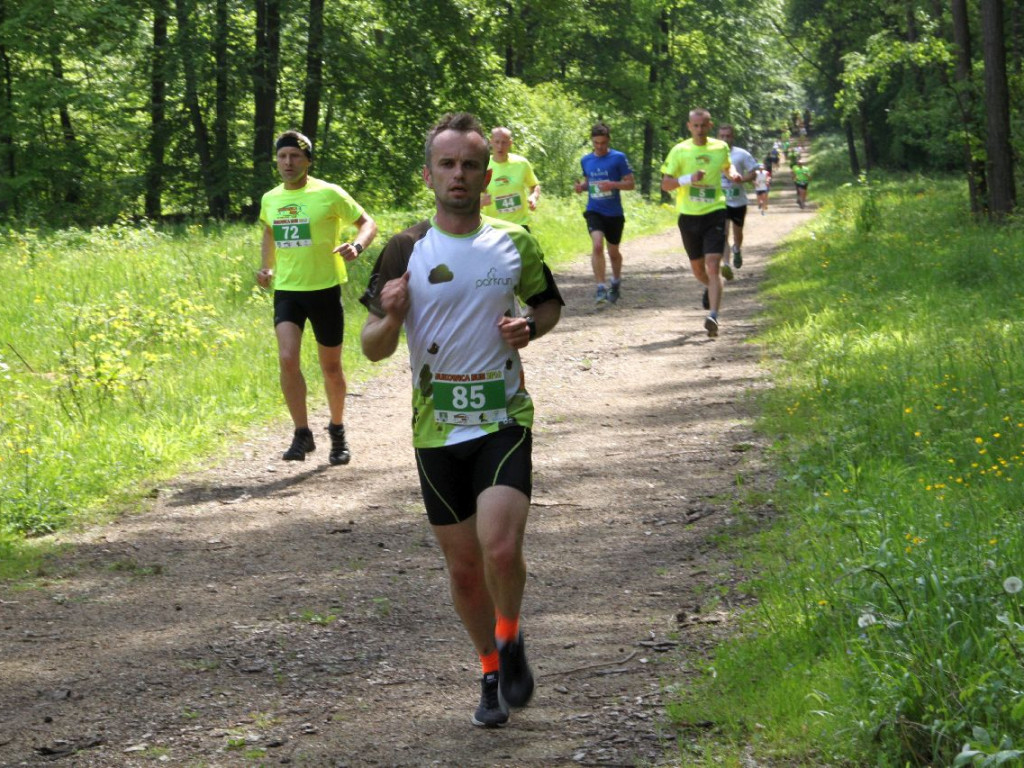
{"x": 314, "y": 70}
{"x": 158, "y": 130}
{"x": 999, "y": 161}
{"x": 188, "y": 41}
{"x": 964, "y": 89}
{"x": 265, "y": 68}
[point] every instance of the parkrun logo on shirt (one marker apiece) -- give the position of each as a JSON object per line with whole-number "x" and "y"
{"x": 493, "y": 279}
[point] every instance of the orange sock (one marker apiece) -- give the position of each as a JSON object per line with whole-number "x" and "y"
{"x": 489, "y": 662}
{"x": 505, "y": 630}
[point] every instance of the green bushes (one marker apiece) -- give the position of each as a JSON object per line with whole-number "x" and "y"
{"x": 890, "y": 601}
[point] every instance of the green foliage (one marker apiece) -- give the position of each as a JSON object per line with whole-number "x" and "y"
{"x": 78, "y": 144}
{"x": 890, "y": 625}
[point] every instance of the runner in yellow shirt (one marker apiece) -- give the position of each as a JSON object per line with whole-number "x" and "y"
{"x": 302, "y": 222}
{"x": 513, "y": 191}
{"x": 693, "y": 170}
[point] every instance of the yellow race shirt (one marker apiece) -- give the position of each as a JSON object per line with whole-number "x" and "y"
{"x": 509, "y": 188}
{"x": 307, "y": 225}
{"x": 687, "y": 158}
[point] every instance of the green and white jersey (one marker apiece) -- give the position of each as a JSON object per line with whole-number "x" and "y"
{"x": 467, "y": 382}
{"x": 744, "y": 163}
{"x": 509, "y": 189}
{"x": 307, "y": 225}
{"x": 686, "y": 158}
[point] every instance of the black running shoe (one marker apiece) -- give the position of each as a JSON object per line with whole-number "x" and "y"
{"x": 737, "y": 258}
{"x": 705, "y": 300}
{"x": 711, "y": 326}
{"x": 491, "y": 712}
{"x": 516, "y": 676}
{"x": 613, "y": 292}
{"x": 302, "y": 443}
{"x": 340, "y": 454}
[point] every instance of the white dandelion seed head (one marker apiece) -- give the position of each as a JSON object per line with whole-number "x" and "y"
{"x": 1013, "y": 585}
{"x": 990, "y": 564}
{"x": 866, "y": 620}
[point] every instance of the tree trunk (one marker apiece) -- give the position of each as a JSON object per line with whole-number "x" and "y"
{"x": 157, "y": 111}
{"x": 7, "y": 166}
{"x": 314, "y": 70}
{"x": 201, "y": 134}
{"x": 658, "y": 52}
{"x": 999, "y": 161}
{"x": 72, "y": 169}
{"x": 266, "y": 65}
{"x": 851, "y": 148}
{"x": 221, "y": 119}
{"x": 964, "y": 90}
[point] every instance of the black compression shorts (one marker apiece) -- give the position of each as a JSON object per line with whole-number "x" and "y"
{"x": 452, "y": 477}
{"x": 322, "y": 308}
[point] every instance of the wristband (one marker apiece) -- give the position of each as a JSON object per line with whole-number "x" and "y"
{"x": 358, "y": 247}
{"x": 532, "y": 325}
{"x": 685, "y": 179}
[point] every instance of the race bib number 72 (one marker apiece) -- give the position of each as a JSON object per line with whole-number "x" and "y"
{"x": 292, "y": 233}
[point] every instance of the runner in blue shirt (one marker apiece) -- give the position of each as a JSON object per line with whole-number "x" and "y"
{"x": 606, "y": 172}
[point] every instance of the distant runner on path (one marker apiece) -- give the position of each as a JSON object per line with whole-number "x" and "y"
{"x": 802, "y": 179}
{"x": 454, "y": 283}
{"x": 762, "y": 184}
{"x": 606, "y": 173}
{"x": 736, "y": 196}
{"x": 694, "y": 170}
{"x": 513, "y": 190}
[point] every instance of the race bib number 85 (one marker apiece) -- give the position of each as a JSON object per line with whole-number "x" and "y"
{"x": 465, "y": 399}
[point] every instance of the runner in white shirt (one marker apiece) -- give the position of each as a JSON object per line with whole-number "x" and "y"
{"x": 454, "y": 284}
{"x": 736, "y": 196}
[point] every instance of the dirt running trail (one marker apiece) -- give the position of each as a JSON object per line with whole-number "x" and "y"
{"x": 271, "y": 613}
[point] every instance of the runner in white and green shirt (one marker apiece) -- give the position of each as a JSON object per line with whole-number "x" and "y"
{"x": 454, "y": 284}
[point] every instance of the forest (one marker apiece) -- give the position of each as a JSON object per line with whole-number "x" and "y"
{"x": 166, "y": 110}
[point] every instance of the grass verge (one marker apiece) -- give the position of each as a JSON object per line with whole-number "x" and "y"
{"x": 889, "y": 629}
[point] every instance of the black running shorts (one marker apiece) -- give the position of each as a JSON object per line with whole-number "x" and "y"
{"x": 452, "y": 477}
{"x": 610, "y": 226}
{"x": 737, "y": 214}
{"x": 322, "y": 308}
{"x": 703, "y": 234}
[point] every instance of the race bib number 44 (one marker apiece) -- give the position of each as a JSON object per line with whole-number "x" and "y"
{"x": 292, "y": 233}
{"x": 466, "y": 399}
{"x": 508, "y": 203}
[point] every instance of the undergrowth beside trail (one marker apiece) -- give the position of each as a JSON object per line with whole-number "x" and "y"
{"x": 131, "y": 353}
{"x": 889, "y": 629}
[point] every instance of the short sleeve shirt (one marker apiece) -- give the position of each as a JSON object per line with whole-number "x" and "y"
{"x": 307, "y": 225}
{"x": 686, "y": 158}
{"x": 509, "y": 189}
{"x": 467, "y": 382}
{"x": 744, "y": 163}
{"x": 801, "y": 174}
{"x": 612, "y": 166}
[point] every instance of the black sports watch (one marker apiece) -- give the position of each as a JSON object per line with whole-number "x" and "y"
{"x": 358, "y": 247}
{"x": 532, "y": 325}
